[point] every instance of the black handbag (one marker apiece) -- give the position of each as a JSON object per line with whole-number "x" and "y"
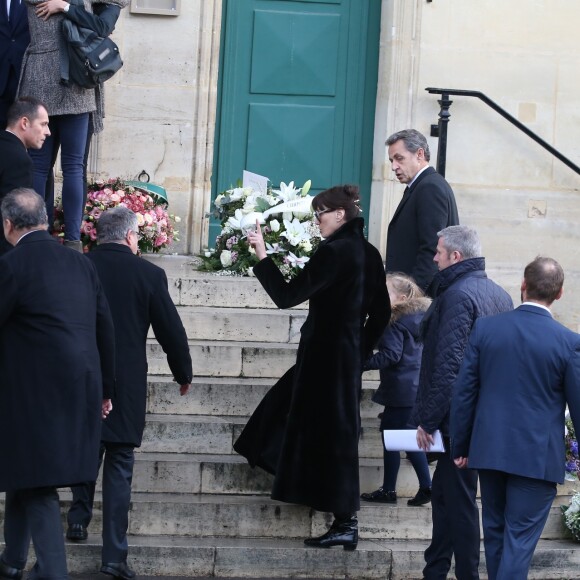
{"x": 86, "y": 58}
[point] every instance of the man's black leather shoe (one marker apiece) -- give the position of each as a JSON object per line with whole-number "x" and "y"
{"x": 342, "y": 533}
{"x": 9, "y": 572}
{"x": 118, "y": 570}
{"x": 77, "y": 533}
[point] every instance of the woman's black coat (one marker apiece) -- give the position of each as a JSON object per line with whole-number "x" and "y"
{"x": 313, "y": 411}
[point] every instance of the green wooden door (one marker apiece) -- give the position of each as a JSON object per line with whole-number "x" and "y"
{"x": 297, "y": 93}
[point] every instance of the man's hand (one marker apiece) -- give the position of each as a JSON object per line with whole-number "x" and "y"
{"x": 184, "y": 388}
{"x": 424, "y": 440}
{"x": 461, "y": 462}
{"x": 106, "y": 408}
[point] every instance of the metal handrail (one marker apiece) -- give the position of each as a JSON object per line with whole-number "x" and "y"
{"x": 444, "y": 115}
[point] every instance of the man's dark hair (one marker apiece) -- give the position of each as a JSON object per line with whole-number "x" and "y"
{"x": 413, "y": 141}
{"x": 24, "y": 208}
{"x": 24, "y": 107}
{"x": 544, "y": 279}
{"x": 114, "y": 224}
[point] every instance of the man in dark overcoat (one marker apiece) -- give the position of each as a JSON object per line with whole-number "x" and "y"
{"x": 139, "y": 298}
{"x": 57, "y": 368}
{"x": 520, "y": 371}
{"x": 464, "y": 294}
{"x": 27, "y": 129}
{"x": 14, "y": 38}
{"x": 428, "y": 206}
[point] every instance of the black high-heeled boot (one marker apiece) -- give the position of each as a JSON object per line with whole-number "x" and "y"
{"x": 343, "y": 532}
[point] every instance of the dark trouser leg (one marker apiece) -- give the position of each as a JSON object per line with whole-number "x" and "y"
{"x": 81, "y": 509}
{"x": 16, "y": 531}
{"x": 90, "y": 133}
{"x": 455, "y": 522}
{"x": 117, "y": 478}
{"x": 41, "y": 511}
{"x": 73, "y": 139}
{"x": 526, "y": 509}
{"x": 398, "y": 418}
{"x": 493, "y": 498}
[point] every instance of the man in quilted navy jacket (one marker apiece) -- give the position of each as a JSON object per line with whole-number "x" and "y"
{"x": 464, "y": 293}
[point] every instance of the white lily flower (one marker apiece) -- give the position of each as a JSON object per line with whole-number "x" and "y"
{"x": 274, "y": 248}
{"x": 288, "y": 192}
{"x": 235, "y": 221}
{"x": 297, "y": 261}
{"x": 295, "y": 232}
{"x": 239, "y": 192}
{"x": 275, "y": 225}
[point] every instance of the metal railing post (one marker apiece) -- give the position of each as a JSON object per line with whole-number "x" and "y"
{"x": 444, "y": 115}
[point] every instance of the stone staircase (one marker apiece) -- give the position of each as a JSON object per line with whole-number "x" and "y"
{"x": 199, "y": 510}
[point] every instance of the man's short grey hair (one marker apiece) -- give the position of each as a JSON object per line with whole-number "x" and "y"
{"x": 461, "y": 239}
{"x": 413, "y": 141}
{"x": 114, "y": 224}
{"x": 24, "y": 208}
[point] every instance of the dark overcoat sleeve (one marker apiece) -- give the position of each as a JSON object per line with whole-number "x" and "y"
{"x": 169, "y": 330}
{"x": 457, "y": 312}
{"x": 319, "y": 273}
{"x": 103, "y": 22}
{"x": 464, "y": 400}
{"x": 379, "y": 304}
{"x": 390, "y": 349}
{"x": 433, "y": 214}
{"x": 105, "y": 342}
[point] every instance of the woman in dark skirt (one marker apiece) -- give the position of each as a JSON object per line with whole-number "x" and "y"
{"x": 306, "y": 429}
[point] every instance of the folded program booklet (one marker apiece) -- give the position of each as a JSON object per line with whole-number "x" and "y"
{"x": 406, "y": 440}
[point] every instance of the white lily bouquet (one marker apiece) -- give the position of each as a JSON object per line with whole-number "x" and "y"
{"x": 571, "y": 514}
{"x": 285, "y": 217}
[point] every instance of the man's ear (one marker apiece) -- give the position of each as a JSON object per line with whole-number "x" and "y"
{"x": 560, "y": 294}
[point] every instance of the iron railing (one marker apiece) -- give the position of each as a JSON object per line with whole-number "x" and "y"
{"x": 440, "y": 130}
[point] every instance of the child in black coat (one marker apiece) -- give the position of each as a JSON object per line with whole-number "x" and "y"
{"x": 399, "y": 360}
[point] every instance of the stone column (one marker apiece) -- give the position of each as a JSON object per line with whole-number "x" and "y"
{"x": 396, "y": 97}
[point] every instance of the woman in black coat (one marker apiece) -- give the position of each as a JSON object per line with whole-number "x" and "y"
{"x": 306, "y": 429}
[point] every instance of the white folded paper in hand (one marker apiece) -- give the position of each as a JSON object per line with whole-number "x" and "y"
{"x": 406, "y": 440}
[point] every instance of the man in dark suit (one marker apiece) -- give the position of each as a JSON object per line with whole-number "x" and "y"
{"x": 520, "y": 370}
{"x": 14, "y": 38}
{"x": 57, "y": 366}
{"x": 139, "y": 298}
{"x": 27, "y": 129}
{"x": 464, "y": 294}
{"x": 428, "y": 206}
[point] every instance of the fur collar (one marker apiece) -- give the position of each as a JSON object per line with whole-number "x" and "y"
{"x": 409, "y": 307}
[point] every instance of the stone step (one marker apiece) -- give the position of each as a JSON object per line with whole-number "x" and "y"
{"x": 241, "y": 324}
{"x": 235, "y": 396}
{"x": 237, "y": 558}
{"x": 233, "y": 359}
{"x": 216, "y": 434}
{"x": 233, "y": 559}
{"x": 229, "y": 358}
{"x": 236, "y": 516}
{"x": 231, "y": 474}
{"x": 189, "y": 287}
